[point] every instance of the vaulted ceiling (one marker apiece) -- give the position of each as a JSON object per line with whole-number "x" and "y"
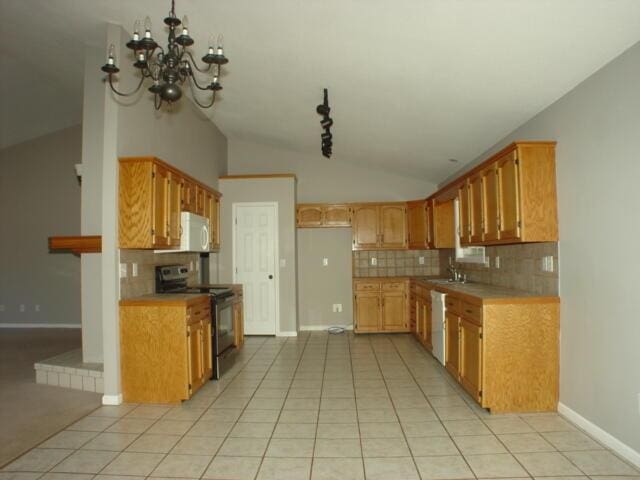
{"x": 412, "y": 83}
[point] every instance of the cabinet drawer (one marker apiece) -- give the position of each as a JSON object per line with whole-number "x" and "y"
{"x": 198, "y": 312}
{"x": 471, "y": 312}
{"x": 393, "y": 286}
{"x": 367, "y": 286}
{"x": 453, "y": 304}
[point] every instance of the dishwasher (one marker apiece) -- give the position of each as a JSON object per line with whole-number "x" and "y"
{"x": 438, "y": 325}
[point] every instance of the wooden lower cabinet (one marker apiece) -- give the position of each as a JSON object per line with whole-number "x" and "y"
{"x": 421, "y": 314}
{"x": 505, "y": 354}
{"x": 238, "y": 322}
{"x": 165, "y": 348}
{"x": 381, "y": 305}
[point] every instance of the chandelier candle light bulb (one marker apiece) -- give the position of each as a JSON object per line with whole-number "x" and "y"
{"x": 147, "y": 27}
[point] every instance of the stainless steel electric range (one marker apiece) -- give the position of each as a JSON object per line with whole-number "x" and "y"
{"x": 173, "y": 279}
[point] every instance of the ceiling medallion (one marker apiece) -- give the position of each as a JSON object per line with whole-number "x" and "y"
{"x": 172, "y": 66}
{"x": 326, "y": 123}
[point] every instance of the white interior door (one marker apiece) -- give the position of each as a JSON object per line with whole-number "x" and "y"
{"x": 255, "y": 254}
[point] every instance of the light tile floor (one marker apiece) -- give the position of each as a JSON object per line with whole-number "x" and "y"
{"x": 322, "y": 407}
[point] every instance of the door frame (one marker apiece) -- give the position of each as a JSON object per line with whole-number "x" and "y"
{"x": 276, "y": 273}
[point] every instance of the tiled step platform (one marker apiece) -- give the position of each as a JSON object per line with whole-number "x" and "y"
{"x": 67, "y": 370}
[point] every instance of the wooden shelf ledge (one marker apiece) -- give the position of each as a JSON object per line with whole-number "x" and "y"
{"x": 77, "y": 245}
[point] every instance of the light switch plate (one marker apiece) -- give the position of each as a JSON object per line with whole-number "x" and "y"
{"x": 123, "y": 270}
{"x": 325, "y": 262}
{"x": 134, "y": 269}
{"x": 337, "y": 308}
{"x": 191, "y": 266}
{"x": 374, "y": 261}
{"x": 421, "y": 260}
{"x": 496, "y": 262}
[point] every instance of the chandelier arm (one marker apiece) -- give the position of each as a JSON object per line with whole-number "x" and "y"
{"x": 195, "y": 82}
{"x": 121, "y": 94}
{"x": 194, "y": 64}
{"x": 157, "y": 101}
{"x": 195, "y": 98}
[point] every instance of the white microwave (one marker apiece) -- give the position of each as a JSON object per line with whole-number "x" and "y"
{"x": 195, "y": 234}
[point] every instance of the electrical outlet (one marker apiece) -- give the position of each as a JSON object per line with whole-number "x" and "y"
{"x": 547, "y": 263}
{"x": 134, "y": 269}
{"x": 550, "y": 265}
{"x": 374, "y": 261}
{"x": 36, "y": 308}
{"x": 337, "y": 308}
{"x": 325, "y": 262}
{"x": 496, "y": 262}
{"x": 191, "y": 266}
{"x": 421, "y": 260}
{"x": 197, "y": 266}
{"x": 22, "y": 307}
{"x": 123, "y": 270}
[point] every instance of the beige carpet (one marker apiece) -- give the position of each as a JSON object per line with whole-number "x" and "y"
{"x": 30, "y": 413}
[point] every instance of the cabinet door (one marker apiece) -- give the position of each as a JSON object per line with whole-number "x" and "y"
{"x": 160, "y": 206}
{"x": 188, "y": 196}
{"x": 309, "y": 216}
{"x": 463, "y": 211}
{"x": 416, "y": 223}
{"x": 490, "y": 203}
{"x": 365, "y": 227}
{"x": 394, "y": 309}
{"x": 444, "y": 225}
{"x": 429, "y": 216}
{"x": 427, "y": 325}
{"x": 175, "y": 203}
{"x": 419, "y": 312}
{"x": 336, "y": 216}
{"x": 471, "y": 358}
{"x": 367, "y": 312}
{"x": 195, "y": 354}
{"x": 393, "y": 226}
{"x": 200, "y": 200}
{"x": 207, "y": 351}
{"x": 238, "y": 326}
{"x": 476, "y": 222}
{"x": 452, "y": 353}
{"x": 211, "y": 212}
{"x": 509, "y": 196}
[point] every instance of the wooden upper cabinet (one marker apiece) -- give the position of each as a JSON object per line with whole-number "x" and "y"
{"x": 393, "y": 226}
{"x": 212, "y": 213}
{"x": 490, "y": 210}
{"x": 152, "y": 195}
{"x": 417, "y": 224}
{"x": 309, "y": 216}
{"x": 429, "y": 213}
{"x": 476, "y": 220}
{"x": 337, "y": 216}
{"x": 313, "y": 215}
{"x": 464, "y": 213}
{"x": 365, "y": 220}
{"x": 509, "y": 196}
{"x": 444, "y": 234}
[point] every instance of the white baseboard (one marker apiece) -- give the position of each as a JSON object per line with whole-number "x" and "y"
{"x": 320, "y": 328}
{"x": 112, "y": 399}
{"x": 40, "y": 325}
{"x": 599, "y": 434}
{"x": 287, "y": 334}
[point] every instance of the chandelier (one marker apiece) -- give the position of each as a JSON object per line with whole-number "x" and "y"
{"x": 170, "y": 67}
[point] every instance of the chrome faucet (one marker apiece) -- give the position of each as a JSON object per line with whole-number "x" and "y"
{"x": 457, "y": 276}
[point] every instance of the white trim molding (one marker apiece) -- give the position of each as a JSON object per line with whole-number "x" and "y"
{"x": 599, "y": 434}
{"x": 320, "y": 328}
{"x": 40, "y": 325}
{"x": 112, "y": 399}
{"x": 286, "y": 334}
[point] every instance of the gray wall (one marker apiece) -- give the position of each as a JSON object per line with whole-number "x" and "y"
{"x": 282, "y": 191}
{"x": 325, "y": 180}
{"x": 597, "y": 126}
{"x": 39, "y": 198}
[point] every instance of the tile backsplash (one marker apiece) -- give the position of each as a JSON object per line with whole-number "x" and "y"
{"x": 520, "y": 267}
{"x": 390, "y": 263}
{"x": 147, "y": 260}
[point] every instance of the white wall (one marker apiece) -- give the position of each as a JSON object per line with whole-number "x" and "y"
{"x": 597, "y": 127}
{"x": 39, "y": 198}
{"x": 282, "y": 191}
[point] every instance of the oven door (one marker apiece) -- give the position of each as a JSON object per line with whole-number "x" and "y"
{"x": 224, "y": 332}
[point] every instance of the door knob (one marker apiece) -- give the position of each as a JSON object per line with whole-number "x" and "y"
{"x": 270, "y": 277}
